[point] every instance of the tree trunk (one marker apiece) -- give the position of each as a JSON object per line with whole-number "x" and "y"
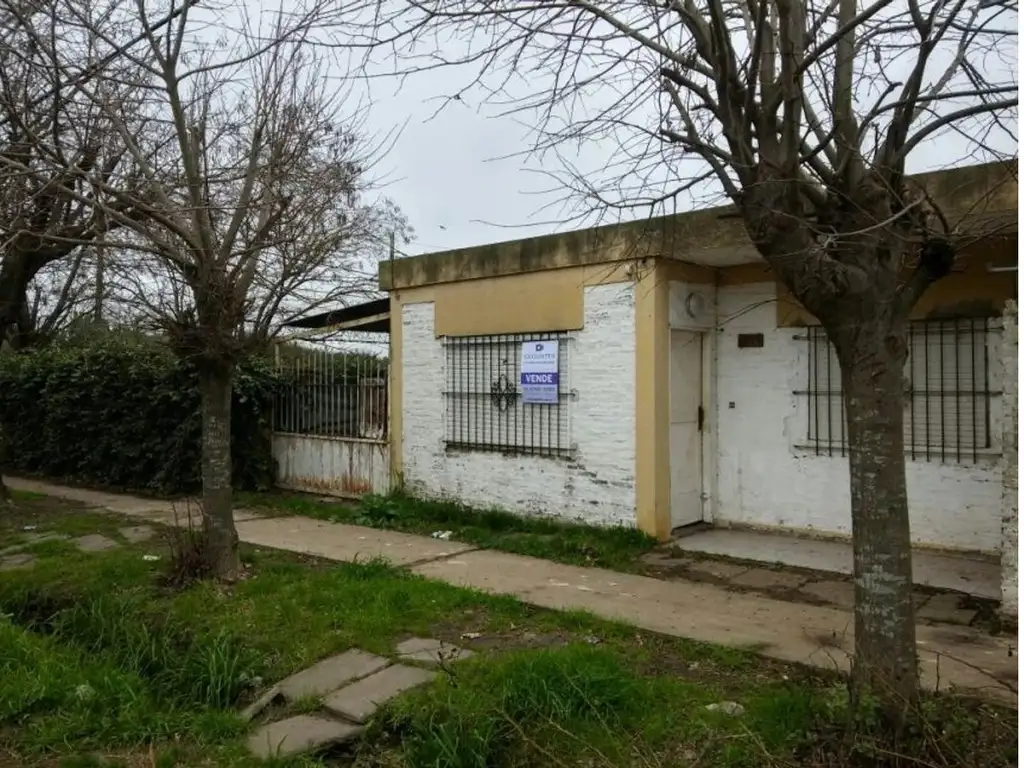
{"x": 885, "y": 664}
{"x": 220, "y": 536}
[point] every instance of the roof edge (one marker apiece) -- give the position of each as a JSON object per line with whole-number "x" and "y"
{"x": 969, "y": 195}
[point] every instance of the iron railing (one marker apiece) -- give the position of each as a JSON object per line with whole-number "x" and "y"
{"x": 327, "y": 393}
{"x": 484, "y": 408}
{"x": 947, "y": 391}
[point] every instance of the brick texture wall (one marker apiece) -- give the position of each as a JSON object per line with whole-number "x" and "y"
{"x": 596, "y": 486}
{"x": 766, "y": 475}
{"x": 1010, "y": 434}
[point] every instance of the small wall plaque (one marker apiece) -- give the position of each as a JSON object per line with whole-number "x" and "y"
{"x": 750, "y": 340}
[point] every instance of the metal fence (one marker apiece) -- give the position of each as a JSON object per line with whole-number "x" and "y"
{"x": 948, "y": 391}
{"x": 330, "y": 393}
{"x": 484, "y": 408}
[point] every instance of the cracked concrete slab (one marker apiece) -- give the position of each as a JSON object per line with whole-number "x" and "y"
{"x": 358, "y": 702}
{"x": 345, "y": 542}
{"x": 978, "y": 576}
{"x": 838, "y": 593}
{"x": 299, "y": 734}
{"x": 806, "y": 634}
{"x": 331, "y": 674}
{"x": 427, "y": 650}
{"x": 765, "y": 578}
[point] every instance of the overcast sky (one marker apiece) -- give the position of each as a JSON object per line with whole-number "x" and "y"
{"x": 448, "y": 176}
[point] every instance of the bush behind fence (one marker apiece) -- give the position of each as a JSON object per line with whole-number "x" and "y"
{"x": 122, "y": 412}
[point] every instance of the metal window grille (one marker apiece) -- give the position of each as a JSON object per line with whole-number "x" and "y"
{"x": 947, "y": 391}
{"x": 327, "y": 393}
{"x": 484, "y": 410}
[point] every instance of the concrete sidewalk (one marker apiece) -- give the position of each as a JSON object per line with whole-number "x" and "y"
{"x": 821, "y": 636}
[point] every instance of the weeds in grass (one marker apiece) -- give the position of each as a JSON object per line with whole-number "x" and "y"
{"x": 188, "y": 560}
{"x": 550, "y": 538}
{"x": 525, "y": 703}
{"x": 197, "y": 670}
{"x": 944, "y": 731}
{"x": 114, "y": 661}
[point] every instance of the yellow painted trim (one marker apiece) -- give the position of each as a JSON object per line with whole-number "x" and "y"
{"x": 524, "y": 303}
{"x": 653, "y": 515}
{"x": 531, "y": 302}
{"x": 682, "y": 272}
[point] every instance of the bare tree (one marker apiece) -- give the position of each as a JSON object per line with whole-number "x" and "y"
{"x": 804, "y": 116}
{"x": 246, "y": 197}
{"x": 59, "y": 295}
{"x": 55, "y": 155}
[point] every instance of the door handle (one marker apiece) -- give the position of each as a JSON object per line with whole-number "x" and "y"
{"x": 700, "y": 418}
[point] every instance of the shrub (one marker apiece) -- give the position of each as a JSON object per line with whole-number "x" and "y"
{"x": 121, "y": 411}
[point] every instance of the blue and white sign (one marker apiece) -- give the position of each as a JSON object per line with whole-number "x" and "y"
{"x": 538, "y": 372}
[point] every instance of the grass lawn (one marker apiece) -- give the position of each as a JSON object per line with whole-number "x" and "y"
{"x": 103, "y": 665}
{"x": 614, "y": 548}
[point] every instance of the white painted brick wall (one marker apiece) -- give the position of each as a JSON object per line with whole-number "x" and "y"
{"x": 1009, "y": 468}
{"x": 763, "y": 479}
{"x": 596, "y": 487}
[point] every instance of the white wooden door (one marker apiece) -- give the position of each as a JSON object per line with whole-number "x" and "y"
{"x": 685, "y": 417}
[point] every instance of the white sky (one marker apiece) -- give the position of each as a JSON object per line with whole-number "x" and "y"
{"x": 448, "y": 176}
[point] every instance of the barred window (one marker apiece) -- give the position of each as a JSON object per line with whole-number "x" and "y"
{"x": 484, "y": 408}
{"x": 947, "y": 391}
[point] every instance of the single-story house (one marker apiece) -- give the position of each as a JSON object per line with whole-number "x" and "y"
{"x": 655, "y": 374}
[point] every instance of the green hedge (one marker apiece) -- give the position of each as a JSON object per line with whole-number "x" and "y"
{"x": 122, "y": 412}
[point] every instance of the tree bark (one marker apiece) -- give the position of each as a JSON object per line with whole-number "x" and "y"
{"x": 220, "y": 536}
{"x": 872, "y": 357}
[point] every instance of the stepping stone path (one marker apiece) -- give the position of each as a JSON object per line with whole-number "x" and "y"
{"x": 11, "y": 562}
{"x": 300, "y": 734}
{"x": 95, "y": 542}
{"x": 351, "y": 687}
{"x": 358, "y": 702}
{"x": 136, "y": 534}
{"x": 425, "y": 650}
{"x": 331, "y": 674}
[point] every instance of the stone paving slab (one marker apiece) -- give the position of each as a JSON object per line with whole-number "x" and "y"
{"x": 837, "y": 592}
{"x": 345, "y": 542}
{"x": 95, "y": 542}
{"x": 358, "y": 702}
{"x": 427, "y": 650}
{"x": 977, "y": 576}
{"x": 765, "y": 578}
{"x": 946, "y": 607}
{"x": 720, "y": 570}
{"x": 806, "y": 634}
{"x": 302, "y": 733}
{"x": 136, "y": 534}
{"x": 331, "y": 674}
{"x": 13, "y": 562}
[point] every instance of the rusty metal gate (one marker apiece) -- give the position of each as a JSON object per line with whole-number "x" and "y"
{"x": 331, "y": 418}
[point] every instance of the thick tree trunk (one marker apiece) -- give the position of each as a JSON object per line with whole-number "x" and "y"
{"x": 220, "y": 536}
{"x": 885, "y": 663}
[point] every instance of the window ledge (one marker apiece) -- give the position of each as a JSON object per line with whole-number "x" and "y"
{"x": 919, "y": 454}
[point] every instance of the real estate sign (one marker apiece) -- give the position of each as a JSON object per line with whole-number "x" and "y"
{"x": 538, "y": 372}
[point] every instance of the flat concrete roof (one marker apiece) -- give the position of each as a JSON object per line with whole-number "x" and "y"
{"x": 371, "y": 316}
{"x": 712, "y": 237}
